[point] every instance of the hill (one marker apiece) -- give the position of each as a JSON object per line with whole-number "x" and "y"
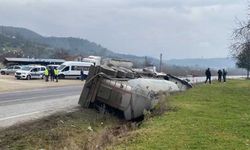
{"x": 74, "y": 46}
{"x": 21, "y": 42}
{"x": 46, "y": 47}
{"x": 215, "y": 63}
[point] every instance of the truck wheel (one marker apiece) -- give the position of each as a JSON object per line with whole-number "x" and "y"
{"x": 2, "y": 73}
{"x": 28, "y": 77}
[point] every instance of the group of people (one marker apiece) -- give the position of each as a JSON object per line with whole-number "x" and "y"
{"x": 221, "y": 74}
{"x": 52, "y": 73}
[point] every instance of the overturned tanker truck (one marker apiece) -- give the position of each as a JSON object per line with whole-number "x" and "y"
{"x": 126, "y": 90}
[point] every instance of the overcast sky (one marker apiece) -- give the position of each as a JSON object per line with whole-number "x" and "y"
{"x": 176, "y": 28}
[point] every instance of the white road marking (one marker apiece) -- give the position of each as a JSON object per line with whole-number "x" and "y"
{"x": 39, "y": 89}
{"x": 25, "y": 99}
{"x": 21, "y": 115}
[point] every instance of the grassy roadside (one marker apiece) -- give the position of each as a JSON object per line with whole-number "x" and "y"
{"x": 213, "y": 116}
{"x": 75, "y": 130}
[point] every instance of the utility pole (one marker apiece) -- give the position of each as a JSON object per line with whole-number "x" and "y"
{"x": 161, "y": 62}
{"x": 146, "y": 62}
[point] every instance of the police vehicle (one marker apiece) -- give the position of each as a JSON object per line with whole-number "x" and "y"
{"x": 30, "y": 72}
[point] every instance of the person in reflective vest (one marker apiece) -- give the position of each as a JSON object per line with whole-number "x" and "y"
{"x": 46, "y": 74}
{"x": 52, "y": 73}
{"x": 56, "y": 72}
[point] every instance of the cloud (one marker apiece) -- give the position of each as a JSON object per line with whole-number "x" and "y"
{"x": 176, "y": 28}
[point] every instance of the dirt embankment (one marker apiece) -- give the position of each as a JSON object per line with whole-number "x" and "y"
{"x": 62, "y": 131}
{"x": 82, "y": 129}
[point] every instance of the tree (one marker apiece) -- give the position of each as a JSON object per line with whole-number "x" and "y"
{"x": 243, "y": 58}
{"x": 241, "y": 46}
{"x": 11, "y": 53}
{"x": 61, "y": 54}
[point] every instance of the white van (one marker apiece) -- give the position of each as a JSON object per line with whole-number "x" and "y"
{"x": 30, "y": 72}
{"x": 72, "y": 69}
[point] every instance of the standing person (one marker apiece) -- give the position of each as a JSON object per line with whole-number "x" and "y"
{"x": 82, "y": 74}
{"x": 56, "y": 72}
{"x": 224, "y": 74}
{"x": 219, "y": 75}
{"x": 208, "y": 75}
{"x": 52, "y": 75}
{"x": 46, "y": 74}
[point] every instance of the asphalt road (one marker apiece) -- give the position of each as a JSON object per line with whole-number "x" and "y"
{"x": 21, "y": 106}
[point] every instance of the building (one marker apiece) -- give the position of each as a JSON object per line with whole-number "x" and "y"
{"x": 27, "y": 61}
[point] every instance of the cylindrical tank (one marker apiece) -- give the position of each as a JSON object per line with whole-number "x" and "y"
{"x": 134, "y": 96}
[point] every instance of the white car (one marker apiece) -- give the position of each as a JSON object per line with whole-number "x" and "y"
{"x": 10, "y": 70}
{"x": 30, "y": 72}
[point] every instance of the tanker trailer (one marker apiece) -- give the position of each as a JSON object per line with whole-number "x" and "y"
{"x": 130, "y": 96}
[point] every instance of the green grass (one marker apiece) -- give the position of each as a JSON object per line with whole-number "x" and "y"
{"x": 60, "y": 131}
{"x": 213, "y": 116}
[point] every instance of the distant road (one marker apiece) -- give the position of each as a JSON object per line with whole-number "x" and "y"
{"x": 202, "y": 79}
{"x": 21, "y": 106}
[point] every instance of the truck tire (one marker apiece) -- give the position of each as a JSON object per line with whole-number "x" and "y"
{"x": 2, "y": 73}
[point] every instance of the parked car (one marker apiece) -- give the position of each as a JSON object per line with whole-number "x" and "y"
{"x": 72, "y": 69}
{"x": 10, "y": 70}
{"x": 30, "y": 72}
